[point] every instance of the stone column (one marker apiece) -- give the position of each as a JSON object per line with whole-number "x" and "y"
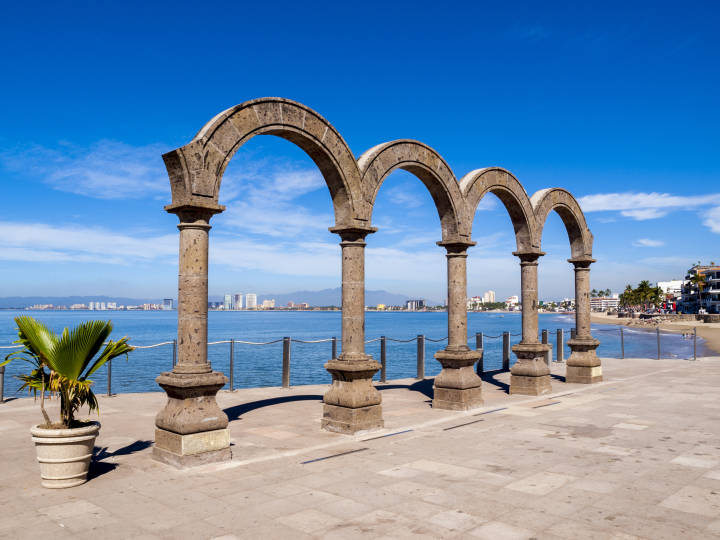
{"x": 583, "y": 366}
{"x": 457, "y": 387}
{"x": 530, "y": 375}
{"x": 192, "y": 429}
{"x": 352, "y": 403}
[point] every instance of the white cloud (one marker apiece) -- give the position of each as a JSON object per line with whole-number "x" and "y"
{"x": 644, "y": 214}
{"x": 404, "y": 197}
{"x": 646, "y": 206}
{"x": 647, "y": 242}
{"x": 37, "y": 242}
{"x": 633, "y": 201}
{"x": 105, "y": 170}
{"x": 712, "y": 219}
{"x": 488, "y": 202}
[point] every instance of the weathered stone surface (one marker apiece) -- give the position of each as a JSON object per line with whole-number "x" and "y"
{"x": 352, "y": 403}
{"x": 583, "y": 366}
{"x": 192, "y": 443}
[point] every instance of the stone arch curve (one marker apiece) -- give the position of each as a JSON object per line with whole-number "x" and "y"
{"x": 567, "y": 207}
{"x": 196, "y": 169}
{"x": 427, "y": 165}
{"x": 501, "y": 183}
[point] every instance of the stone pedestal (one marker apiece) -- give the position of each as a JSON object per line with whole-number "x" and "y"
{"x": 191, "y": 429}
{"x": 530, "y": 375}
{"x": 457, "y": 387}
{"x": 583, "y": 366}
{"x": 352, "y": 404}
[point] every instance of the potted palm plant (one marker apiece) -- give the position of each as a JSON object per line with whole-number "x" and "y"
{"x": 60, "y": 366}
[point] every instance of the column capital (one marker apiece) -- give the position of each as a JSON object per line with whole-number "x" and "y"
{"x": 582, "y": 263}
{"x": 194, "y": 214}
{"x": 529, "y": 256}
{"x": 456, "y": 247}
{"x": 353, "y": 233}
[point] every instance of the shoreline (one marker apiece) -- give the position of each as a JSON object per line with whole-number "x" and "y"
{"x": 710, "y": 332}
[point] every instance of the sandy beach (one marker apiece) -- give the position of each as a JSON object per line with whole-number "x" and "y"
{"x": 710, "y": 332}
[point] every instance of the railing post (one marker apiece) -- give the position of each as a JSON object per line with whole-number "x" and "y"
{"x": 334, "y": 348}
{"x": 658, "y": 341}
{"x": 286, "y": 363}
{"x": 480, "y": 367}
{"x": 420, "y": 357}
{"x": 383, "y": 359}
{"x": 2, "y": 384}
{"x": 506, "y": 351}
{"x": 548, "y": 353}
{"x": 174, "y": 352}
{"x": 232, "y": 365}
{"x": 694, "y": 345}
{"x": 560, "y": 354}
{"x": 622, "y": 343}
{"x": 109, "y": 375}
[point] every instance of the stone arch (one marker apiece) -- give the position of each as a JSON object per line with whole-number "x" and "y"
{"x": 196, "y": 169}
{"x": 501, "y": 183}
{"x": 567, "y": 207}
{"x": 427, "y": 165}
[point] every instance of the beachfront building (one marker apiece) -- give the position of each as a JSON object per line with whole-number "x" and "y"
{"x": 227, "y": 302}
{"x": 604, "y": 303}
{"x": 488, "y": 297}
{"x": 237, "y": 301}
{"x": 415, "y": 305}
{"x": 706, "y": 298}
{"x": 251, "y": 301}
{"x": 268, "y": 304}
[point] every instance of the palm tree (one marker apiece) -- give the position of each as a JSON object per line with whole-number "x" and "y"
{"x": 68, "y": 360}
{"x": 698, "y": 279}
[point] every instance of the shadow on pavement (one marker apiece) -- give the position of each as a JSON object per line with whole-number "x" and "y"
{"x": 236, "y": 411}
{"x": 424, "y": 386}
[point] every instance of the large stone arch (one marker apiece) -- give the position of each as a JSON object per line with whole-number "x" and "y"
{"x": 427, "y": 165}
{"x": 196, "y": 169}
{"x": 501, "y": 183}
{"x": 567, "y": 207}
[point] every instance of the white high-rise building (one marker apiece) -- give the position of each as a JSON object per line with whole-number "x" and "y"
{"x": 237, "y": 301}
{"x": 91, "y": 306}
{"x": 268, "y": 304}
{"x": 251, "y": 301}
{"x": 227, "y": 302}
{"x": 488, "y": 297}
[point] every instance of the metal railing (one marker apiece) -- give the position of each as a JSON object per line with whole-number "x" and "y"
{"x": 479, "y": 338}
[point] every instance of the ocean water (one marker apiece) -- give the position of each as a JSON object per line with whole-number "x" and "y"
{"x": 262, "y": 365}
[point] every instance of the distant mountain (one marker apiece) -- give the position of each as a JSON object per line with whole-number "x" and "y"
{"x": 25, "y": 301}
{"x": 325, "y": 297}
{"x": 332, "y": 297}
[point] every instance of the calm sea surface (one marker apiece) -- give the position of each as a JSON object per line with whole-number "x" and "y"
{"x": 261, "y": 365}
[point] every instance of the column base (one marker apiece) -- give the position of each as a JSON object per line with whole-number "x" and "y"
{"x": 457, "y": 387}
{"x": 192, "y": 428}
{"x": 352, "y": 404}
{"x": 193, "y": 449}
{"x": 583, "y": 366}
{"x": 530, "y": 375}
{"x": 350, "y": 421}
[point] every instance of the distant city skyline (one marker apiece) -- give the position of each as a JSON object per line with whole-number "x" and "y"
{"x": 622, "y": 111}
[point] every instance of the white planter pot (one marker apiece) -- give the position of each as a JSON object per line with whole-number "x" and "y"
{"x": 64, "y": 454}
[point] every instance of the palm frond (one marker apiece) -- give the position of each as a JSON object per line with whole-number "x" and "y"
{"x": 77, "y": 347}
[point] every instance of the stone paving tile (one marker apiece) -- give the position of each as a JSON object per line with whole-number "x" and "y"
{"x": 496, "y": 530}
{"x": 570, "y": 470}
{"x": 540, "y": 483}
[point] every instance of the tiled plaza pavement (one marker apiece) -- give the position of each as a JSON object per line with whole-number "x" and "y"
{"x": 637, "y": 456}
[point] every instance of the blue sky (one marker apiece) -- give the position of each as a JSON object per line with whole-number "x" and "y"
{"x": 617, "y": 103}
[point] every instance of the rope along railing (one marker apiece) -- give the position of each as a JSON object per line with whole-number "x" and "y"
{"x": 558, "y": 350}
